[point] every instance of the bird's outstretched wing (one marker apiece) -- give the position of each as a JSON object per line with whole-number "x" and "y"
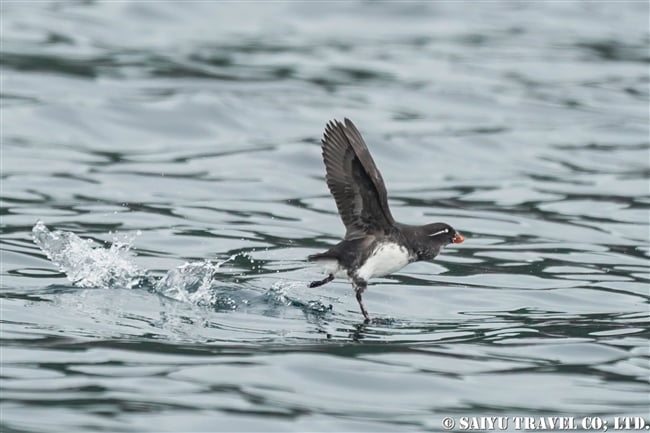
{"x": 354, "y": 181}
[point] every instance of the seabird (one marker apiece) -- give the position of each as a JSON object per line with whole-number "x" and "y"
{"x": 374, "y": 244}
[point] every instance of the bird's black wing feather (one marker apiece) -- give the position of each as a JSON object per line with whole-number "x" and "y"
{"x": 355, "y": 181}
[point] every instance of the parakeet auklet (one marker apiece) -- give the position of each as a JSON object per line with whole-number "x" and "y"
{"x": 375, "y": 244}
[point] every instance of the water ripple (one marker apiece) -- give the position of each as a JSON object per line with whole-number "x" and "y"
{"x": 524, "y": 125}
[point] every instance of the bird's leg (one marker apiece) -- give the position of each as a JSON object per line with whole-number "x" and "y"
{"x": 325, "y": 280}
{"x": 359, "y": 286}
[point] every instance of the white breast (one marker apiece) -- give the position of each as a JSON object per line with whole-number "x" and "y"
{"x": 331, "y": 266}
{"x": 385, "y": 259}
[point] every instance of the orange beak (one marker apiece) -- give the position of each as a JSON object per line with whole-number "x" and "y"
{"x": 458, "y": 238}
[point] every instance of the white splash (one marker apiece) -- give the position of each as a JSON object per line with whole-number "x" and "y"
{"x": 286, "y": 294}
{"x": 191, "y": 282}
{"x": 86, "y": 263}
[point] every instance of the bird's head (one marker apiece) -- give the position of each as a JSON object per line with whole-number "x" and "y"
{"x": 436, "y": 236}
{"x": 443, "y": 234}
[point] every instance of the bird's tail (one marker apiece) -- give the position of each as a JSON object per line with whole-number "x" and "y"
{"x": 321, "y": 256}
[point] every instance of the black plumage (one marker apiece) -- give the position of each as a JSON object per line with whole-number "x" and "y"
{"x": 374, "y": 243}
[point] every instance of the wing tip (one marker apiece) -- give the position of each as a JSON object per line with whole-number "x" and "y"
{"x": 344, "y": 128}
{"x": 333, "y": 128}
{"x": 349, "y": 123}
{"x": 332, "y": 123}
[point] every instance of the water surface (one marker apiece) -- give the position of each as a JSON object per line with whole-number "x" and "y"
{"x": 183, "y": 140}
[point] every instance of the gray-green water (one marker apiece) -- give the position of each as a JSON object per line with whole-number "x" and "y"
{"x": 189, "y": 131}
